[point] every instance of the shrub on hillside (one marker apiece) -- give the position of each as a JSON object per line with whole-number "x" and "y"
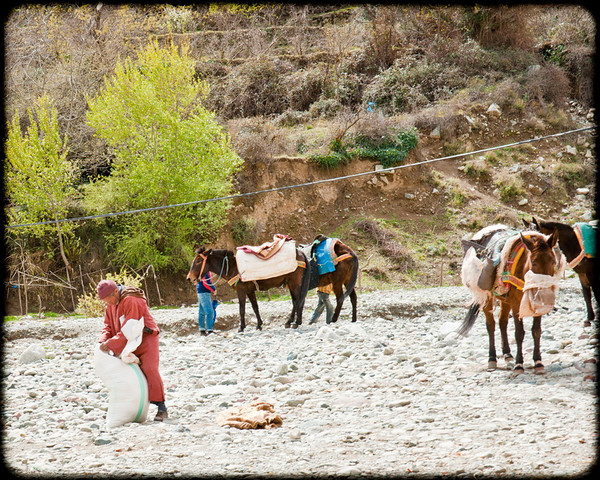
{"x": 325, "y": 108}
{"x": 246, "y": 231}
{"x": 255, "y": 139}
{"x": 387, "y": 243}
{"x": 413, "y": 83}
{"x": 547, "y": 83}
{"x": 304, "y": 87}
{"x": 255, "y": 88}
{"x": 389, "y": 150}
{"x": 501, "y": 26}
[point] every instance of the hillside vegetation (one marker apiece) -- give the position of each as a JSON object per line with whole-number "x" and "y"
{"x": 304, "y": 93}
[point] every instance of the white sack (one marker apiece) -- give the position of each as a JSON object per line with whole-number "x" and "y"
{"x": 539, "y": 294}
{"x": 252, "y": 267}
{"x": 133, "y": 331}
{"x": 127, "y": 389}
{"x": 469, "y": 274}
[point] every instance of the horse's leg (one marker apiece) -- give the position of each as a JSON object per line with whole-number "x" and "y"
{"x": 353, "y": 300}
{"x": 490, "y": 325}
{"x": 503, "y": 322}
{"x": 294, "y": 296}
{"x": 252, "y": 296}
{"x": 290, "y": 323}
{"x": 292, "y": 315}
{"x": 339, "y": 300}
{"x": 297, "y": 305}
{"x": 587, "y": 297}
{"x": 519, "y": 336}
{"x": 596, "y": 291}
{"x": 300, "y": 305}
{"x": 242, "y": 303}
{"x": 536, "y": 332}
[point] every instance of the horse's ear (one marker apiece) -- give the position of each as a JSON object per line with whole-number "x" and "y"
{"x": 535, "y": 222}
{"x": 528, "y": 243}
{"x": 198, "y": 249}
{"x": 553, "y": 238}
{"x": 526, "y": 223}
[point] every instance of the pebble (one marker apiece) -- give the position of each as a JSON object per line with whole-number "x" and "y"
{"x": 397, "y": 392}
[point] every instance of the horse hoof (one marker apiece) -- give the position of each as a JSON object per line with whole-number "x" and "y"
{"x": 518, "y": 370}
{"x": 587, "y": 323}
{"x": 492, "y": 366}
{"x": 510, "y": 362}
{"x": 539, "y": 369}
{"x": 294, "y": 326}
{"x": 287, "y": 325}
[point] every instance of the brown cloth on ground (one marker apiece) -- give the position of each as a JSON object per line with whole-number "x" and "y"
{"x": 248, "y": 416}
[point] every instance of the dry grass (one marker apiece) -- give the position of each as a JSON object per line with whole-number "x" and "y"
{"x": 387, "y": 244}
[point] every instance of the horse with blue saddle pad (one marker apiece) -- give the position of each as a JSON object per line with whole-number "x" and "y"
{"x": 333, "y": 262}
{"x": 578, "y": 243}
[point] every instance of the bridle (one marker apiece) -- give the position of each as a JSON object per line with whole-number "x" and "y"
{"x": 204, "y": 258}
{"x": 224, "y": 264}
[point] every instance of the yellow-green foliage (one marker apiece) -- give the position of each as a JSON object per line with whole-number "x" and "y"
{"x": 168, "y": 149}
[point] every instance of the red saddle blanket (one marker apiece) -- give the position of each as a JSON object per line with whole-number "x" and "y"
{"x": 267, "y": 249}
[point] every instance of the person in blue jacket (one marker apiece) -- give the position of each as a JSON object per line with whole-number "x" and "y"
{"x": 206, "y": 309}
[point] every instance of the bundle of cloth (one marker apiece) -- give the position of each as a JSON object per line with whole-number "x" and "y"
{"x": 252, "y": 415}
{"x": 539, "y": 295}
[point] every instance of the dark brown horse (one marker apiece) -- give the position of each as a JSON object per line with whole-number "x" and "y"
{"x": 583, "y": 266}
{"x": 536, "y": 255}
{"x": 223, "y": 263}
{"x": 342, "y": 278}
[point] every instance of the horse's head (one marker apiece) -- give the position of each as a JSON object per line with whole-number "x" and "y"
{"x": 198, "y": 265}
{"x": 533, "y": 225}
{"x": 540, "y": 283}
{"x": 542, "y": 259}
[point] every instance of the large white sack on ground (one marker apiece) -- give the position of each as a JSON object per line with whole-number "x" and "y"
{"x": 127, "y": 389}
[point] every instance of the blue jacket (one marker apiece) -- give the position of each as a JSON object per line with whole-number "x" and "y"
{"x": 205, "y": 284}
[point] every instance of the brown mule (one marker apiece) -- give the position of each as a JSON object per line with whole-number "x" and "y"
{"x": 532, "y": 252}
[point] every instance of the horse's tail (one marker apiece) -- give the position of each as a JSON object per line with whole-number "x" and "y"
{"x": 305, "y": 277}
{"x": 469, "y": 320}
{"x": 354, "y": 276}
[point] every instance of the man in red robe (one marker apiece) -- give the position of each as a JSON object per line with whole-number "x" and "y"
{"x": 130, "y": 303}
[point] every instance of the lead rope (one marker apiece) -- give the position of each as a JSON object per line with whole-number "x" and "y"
{"x": 223, "y": 263}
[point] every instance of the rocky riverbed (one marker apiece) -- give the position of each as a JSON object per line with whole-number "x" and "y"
{"x": 392, "y": 394}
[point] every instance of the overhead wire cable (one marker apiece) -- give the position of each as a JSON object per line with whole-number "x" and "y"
{"x": 306, "y": 184}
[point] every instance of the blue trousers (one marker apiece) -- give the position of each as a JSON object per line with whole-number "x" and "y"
{"x": 323, "y": 304}
{"x": 206, "y": 312}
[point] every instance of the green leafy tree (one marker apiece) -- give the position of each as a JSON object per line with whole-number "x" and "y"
{"x": 166, "y": 149}
{"x": 39, "y": 179}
